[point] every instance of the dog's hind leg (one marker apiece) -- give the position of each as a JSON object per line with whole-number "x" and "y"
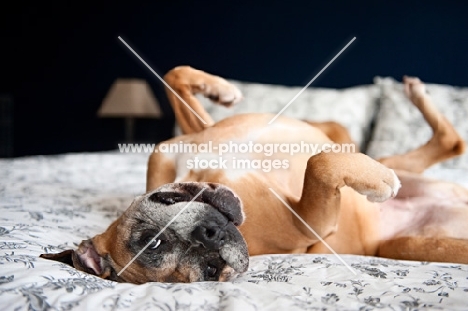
{"x": 426, "y": 249}
{"x": 445, "y": 143}
{"x": 186, "y": 82}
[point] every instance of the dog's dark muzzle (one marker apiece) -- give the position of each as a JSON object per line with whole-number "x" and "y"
{"x": 210, "y": 234}
{"x": 217, "y": 230}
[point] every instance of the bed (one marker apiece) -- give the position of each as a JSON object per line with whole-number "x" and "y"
{"x": 51, "y": 203}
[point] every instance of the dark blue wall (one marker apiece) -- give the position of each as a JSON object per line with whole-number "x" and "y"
{"x": 59, "y": 61}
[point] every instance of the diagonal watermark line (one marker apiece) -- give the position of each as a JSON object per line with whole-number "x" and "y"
{"x": 313, "y": 231}
{"x": 159, "y": 233}
{"x": 313, "y": 79}
{"x": 162, "y": 80}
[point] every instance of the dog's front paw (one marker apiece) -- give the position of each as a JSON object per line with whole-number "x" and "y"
{"x": 385, "y": 188}
{"x": 221, "y": 92}
{"x": 357, "y": 171}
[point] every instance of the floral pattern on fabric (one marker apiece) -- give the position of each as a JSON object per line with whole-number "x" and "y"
{"x": 49, "y": 204}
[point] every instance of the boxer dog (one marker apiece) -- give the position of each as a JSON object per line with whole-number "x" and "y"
{"x": 210, "y": 220}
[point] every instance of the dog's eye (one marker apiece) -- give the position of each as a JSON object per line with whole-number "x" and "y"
{"x": 211, "y": 271}
{"x": 155, "y": 243}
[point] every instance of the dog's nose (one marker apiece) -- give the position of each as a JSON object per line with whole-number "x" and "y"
{"x": 210, "y": 234}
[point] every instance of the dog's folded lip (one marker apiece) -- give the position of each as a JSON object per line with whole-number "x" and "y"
{"x": 229, "y": 217}
{"x": 219, "y": 196}
{"x": 89, "y": 257}
{"x": 234, "y": 252}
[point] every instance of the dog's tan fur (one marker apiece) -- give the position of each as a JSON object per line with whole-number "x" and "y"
{"x": 328, "y": 190}
{"x": 348, "y": 199}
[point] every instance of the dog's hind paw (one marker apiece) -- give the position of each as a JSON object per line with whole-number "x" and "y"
{"x": 414, "y": 88}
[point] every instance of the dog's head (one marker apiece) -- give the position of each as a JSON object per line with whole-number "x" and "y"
{"x": 181, "y": 232}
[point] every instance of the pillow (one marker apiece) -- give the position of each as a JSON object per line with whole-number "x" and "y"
{"x": 353, "y": 107}
{"x": 400, "y": 127}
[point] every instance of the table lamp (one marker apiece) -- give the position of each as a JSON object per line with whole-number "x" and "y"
{"x": 130, "y": 99}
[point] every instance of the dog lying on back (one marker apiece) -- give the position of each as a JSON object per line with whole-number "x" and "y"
{"x": 201, "y": 224}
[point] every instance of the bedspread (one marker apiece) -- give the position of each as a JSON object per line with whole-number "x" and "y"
{"x": 51, "y": 203}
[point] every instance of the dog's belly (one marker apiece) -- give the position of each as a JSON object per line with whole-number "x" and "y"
{"x": 425, "y": 207}
{"x": 440, "y": 215}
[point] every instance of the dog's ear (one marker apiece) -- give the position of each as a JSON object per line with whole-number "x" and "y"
{"x": 65, "y": 257}
{"x": 85, "y": 258}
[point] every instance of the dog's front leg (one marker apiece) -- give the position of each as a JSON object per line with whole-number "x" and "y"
{"x": 161, "y": 170}
{"x": 184, "y": 83}
{"x": 326, "y": 174}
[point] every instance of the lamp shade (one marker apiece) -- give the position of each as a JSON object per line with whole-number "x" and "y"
{"x": 130, "y": 98}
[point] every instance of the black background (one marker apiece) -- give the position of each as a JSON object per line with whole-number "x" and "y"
{"x": 59, "y": 60}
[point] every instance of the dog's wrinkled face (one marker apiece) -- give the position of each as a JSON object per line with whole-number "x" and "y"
{"x": 201, "y": 242}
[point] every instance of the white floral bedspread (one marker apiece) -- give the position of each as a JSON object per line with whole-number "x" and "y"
{"x": 48, "y": 204}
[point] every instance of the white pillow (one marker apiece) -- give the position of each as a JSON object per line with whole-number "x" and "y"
{"x": 353, "y": 107}
{"x": 400, "y": 127}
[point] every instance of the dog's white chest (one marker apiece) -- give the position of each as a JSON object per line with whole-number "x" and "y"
{"x": 199, "y": 165}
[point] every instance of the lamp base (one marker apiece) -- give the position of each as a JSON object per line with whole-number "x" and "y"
{"x": 129, "y": 126}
